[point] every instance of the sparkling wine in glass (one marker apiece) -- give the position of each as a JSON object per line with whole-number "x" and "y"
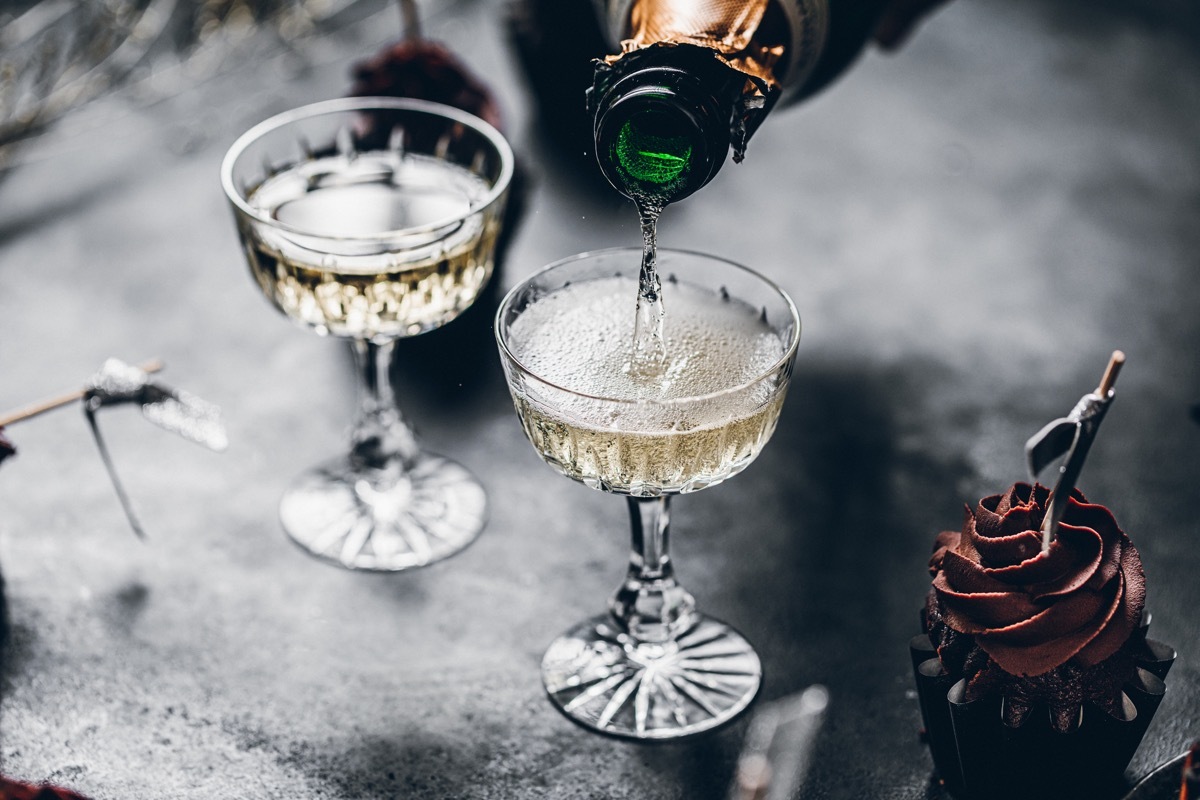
{"x": 373, "y": 219}
{"x": 652, "y": 667}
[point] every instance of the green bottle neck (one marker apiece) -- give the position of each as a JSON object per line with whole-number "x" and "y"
{"x": 661, "y": 134}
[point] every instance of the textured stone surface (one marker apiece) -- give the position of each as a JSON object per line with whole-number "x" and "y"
{"x": 968, "y": 228}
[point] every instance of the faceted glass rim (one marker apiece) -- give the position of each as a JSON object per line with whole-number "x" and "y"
{"x": 343, "y": 105}
{"x": 636, "y": 253}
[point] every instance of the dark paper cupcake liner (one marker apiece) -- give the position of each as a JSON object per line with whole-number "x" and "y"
{"x": 980, "y": 757}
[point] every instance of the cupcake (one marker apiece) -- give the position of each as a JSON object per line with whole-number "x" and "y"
{"x": 1034, "y": 672}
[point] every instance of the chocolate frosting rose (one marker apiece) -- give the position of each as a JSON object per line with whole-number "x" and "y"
{"x": 1051, "y": 626}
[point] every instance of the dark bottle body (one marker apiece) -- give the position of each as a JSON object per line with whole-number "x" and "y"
{"x": 851, "y": 25}
{"x": 561, "y": 42}
{"x": 742, "y": 57}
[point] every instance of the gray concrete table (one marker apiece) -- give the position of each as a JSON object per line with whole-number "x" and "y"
{"x": 968, "y": 228}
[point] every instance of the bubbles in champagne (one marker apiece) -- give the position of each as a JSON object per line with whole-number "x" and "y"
{"x": 702, "y": 418}
{"x": 381, "y": 244}
{"x": 579, "y": 338}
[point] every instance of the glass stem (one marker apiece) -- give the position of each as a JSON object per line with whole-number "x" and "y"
{"x": 381, "y": 439}
{"x": 650, "y": 606}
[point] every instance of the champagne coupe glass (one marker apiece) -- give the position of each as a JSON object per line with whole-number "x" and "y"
{"x": 653, "y": 667}
{"x": 373, "y": 219}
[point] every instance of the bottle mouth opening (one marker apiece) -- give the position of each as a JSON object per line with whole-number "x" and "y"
{"x": 658, "y": 142}
{"x": 656, "y": 146}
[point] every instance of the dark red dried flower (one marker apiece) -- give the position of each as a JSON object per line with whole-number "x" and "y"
{"x": 425, "y": 70}
{"x": 14, "y": 790}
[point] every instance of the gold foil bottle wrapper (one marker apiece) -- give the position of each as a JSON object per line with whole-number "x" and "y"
{"x": 730, "y": 27}
{"x": 724, "y": 25}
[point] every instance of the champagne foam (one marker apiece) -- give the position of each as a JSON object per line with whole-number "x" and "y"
{"x": 581, "y": 337}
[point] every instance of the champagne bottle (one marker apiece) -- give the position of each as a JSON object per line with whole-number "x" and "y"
{"x": 694, "y": 79}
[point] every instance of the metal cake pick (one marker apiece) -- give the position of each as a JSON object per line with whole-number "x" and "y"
{"x": 779, "y": 747}
{"x": 118, "y": 383}
{"x": 1071, "y": 435}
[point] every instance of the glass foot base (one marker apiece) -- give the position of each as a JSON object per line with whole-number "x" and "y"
{"x": 604, "y": 681}
{"x": 376, "y": 520}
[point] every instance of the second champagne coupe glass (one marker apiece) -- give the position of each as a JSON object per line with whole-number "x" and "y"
{"x": 374, "y": 219}
{"x": 653, "y": 667}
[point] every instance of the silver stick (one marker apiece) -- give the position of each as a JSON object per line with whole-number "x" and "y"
{"x": 1073, "y": 435}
